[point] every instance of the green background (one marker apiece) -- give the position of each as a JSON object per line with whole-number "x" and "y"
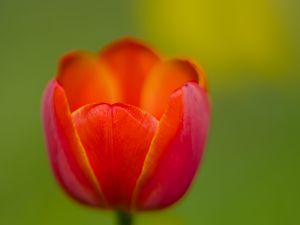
{"x": 250, "y": 173}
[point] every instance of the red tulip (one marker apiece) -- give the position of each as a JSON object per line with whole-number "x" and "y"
{"x": 124, "y": 128}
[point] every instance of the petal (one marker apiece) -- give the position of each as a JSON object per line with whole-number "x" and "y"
{"x": 165, "y": 78}
{"x": 84, "y": 81}
{"x": 176, "y": 149}
{"x": 66, "y": 154}
{"x": 117, "y": 138}
{"x": 129, "y": 61}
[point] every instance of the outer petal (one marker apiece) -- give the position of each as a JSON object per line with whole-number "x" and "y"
{"x": 176, "y": 149}
{"x": 130, "y": 62}
{"x": 117, "y": 139}
{"x": 165, "y": 78}
{"x": 67, "y": 156}
{"x": 84, "y": 81}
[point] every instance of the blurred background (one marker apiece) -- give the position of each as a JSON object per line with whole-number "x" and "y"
{"x": 250, "y": 52}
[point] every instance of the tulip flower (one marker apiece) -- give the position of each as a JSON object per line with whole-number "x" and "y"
{"x": 125, "y": 128}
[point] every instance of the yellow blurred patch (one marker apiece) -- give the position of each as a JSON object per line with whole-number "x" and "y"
{"x": 227, "y": 37}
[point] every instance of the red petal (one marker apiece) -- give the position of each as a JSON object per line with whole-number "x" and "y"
{"x": 176, "y": 149}
{"x": 130, "y": 63}
{"x": 164, "y": 79}
{"x": 67, "y": 156}
{"x": 84, "y": 81}
{"x": 117, "y": 139}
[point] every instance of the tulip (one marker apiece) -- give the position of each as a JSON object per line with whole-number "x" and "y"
{"x": 126, "y": 129}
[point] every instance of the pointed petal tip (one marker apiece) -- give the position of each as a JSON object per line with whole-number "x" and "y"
{"x": 194, "y": 68}
{"x": 164, "y": 79}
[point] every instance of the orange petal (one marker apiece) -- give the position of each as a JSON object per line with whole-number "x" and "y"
{"x": 84, "y": 81}
{"x": 66, "y": 154}
{"x": 129, "y": 62}
{"x": 117, "y": 138}
{"x": 176, "y": 149}
{"x": 163, "y": 80}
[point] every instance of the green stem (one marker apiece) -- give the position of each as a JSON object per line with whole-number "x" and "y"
{"x": 124, "y": 218}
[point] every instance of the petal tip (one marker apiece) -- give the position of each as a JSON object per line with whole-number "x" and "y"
{"x": 128, "y": 43}
{"x": 194, "y": 68}
{"x": 68, "y": 58}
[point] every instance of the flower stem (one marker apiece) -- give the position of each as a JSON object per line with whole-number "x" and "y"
{"x": 124, "y": 218}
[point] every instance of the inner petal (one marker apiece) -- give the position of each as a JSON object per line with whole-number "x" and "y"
{"x": 165, "y": 78}
{"x": 130, "y": 63}
{"x": 85, "y": 82}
